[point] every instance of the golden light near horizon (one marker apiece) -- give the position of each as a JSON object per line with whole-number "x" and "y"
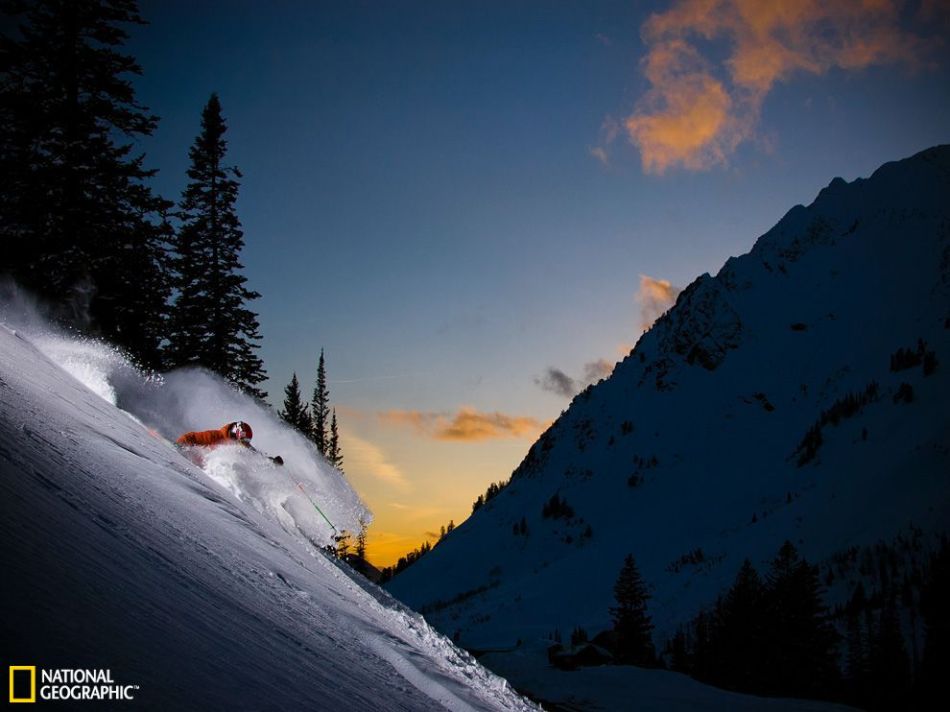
{"x": 418, "y": 473}
{"x": 420, "y": 470}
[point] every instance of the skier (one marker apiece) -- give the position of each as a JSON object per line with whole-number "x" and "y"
{"x": 237, "y": 432}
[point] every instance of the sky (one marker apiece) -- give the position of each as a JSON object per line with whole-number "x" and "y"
{"x": 475, "y": 208}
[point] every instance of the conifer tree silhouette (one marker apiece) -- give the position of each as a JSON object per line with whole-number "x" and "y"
{"x": 79, "y": 223}
{"x": 295, "y": 411}
{"x": 632, "y": 623}
{"x": 210, "y": 323}
{"x": 320, "y": 409}
{"x": 334, "y": 454}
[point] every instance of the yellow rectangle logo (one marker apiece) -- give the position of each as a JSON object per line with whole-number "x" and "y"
{"x": 20, "y": 668}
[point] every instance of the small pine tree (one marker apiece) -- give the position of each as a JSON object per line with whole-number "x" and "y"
{"x": 343, "y": 544}
{"x": 679, "y": 652}
{"x": 361, "y": 539}
{"x": 632, "y": 623}
{"x": 857, "y": 657}
{"x": 889, "y": 661}
{"x": 320, "y": 409}
{"x": 334, "y": 454}
{"x": 295, "y": 411}
{"x": 578, "y": 636}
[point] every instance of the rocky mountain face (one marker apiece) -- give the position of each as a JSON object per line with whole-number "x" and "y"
{"x": 800, "y": 394}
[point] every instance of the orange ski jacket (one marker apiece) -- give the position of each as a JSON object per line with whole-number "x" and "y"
{"x": 210, "y": 438}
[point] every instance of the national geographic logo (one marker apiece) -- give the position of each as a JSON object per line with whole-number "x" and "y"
{"x": 22, "y": 683}
{"x": 66, "y": 684}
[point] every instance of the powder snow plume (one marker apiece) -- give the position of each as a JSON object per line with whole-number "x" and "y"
{"x": 305, "y": 496}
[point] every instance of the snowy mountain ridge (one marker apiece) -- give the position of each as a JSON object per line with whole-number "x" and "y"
{"x": 698, "y": 441}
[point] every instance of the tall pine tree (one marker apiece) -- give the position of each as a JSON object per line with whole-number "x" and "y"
{"x": 210, "y": 324}
{"x": 802, "y": 656}
{"x": 632, "y": 623}
{"x": 79, "y": 224}
{"x": 741, "y": 623}
{"x": 295, "y": 411}
{"x": 320, "y": 409}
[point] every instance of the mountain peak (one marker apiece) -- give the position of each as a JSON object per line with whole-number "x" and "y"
{"x": 703, "y": 438}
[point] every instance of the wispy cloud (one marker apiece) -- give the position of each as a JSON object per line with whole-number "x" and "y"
{"x": 363, "y": 456}
{"x": 600, "y": 153}
{"x": 609, "y": 130}
{"x": 467, "y": 425}
{"x": 558, "y": 382}
{"x": 654, "y": 296}
{"x": 698, "y": 110}
{"x": 596, "y": 370}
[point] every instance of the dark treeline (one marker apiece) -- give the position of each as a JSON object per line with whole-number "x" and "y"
{"x": 316, "y": 420}
{"x": 773, "y": 635}
{"x": 845, "y": 407}
{"x": 770, "y": 636}
{"x": 885, "y": 648}
{"x": 413, "y": 556}
{"x": 493, "y": 490}
{"x": 82, "y": 227}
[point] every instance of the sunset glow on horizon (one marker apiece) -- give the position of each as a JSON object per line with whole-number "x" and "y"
{"x": 477, "y": 208}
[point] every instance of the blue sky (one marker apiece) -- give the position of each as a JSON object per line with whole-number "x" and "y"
{"x": 450, "y": 199}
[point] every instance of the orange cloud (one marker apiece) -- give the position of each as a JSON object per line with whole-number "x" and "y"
{"x": 363, "y": 457}
{"x": 655, "y": 296}
{"x": 468, "y": 425}
{"x": 696, "y": 113}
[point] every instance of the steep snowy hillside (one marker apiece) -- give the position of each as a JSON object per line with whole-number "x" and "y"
{"x": 199, "y": 587}
{"x": 696, "y": 452}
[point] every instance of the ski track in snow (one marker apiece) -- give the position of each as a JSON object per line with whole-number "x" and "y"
{"x": 202, "y": 585}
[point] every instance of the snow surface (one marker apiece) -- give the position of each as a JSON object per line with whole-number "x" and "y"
{"x": 720, "y": 392}
{"x": 204, "y": 587}
{"x": 618, "y": 688}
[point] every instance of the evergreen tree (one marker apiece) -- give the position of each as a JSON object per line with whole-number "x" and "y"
{"x": 741, "y": 637}
{"x": 631, "y": 621}
{"x": 801, "y": 655}
{"x": 295, "y": 411}
{"x": 334, "y": 455}
{"x": 857, "y": 654}
{"x": 703, "y": 651}
{"x": 361, "y": 539}
{"x": 889, "y": 662}
{"x": 679, "y": 652}
{"x": 320, "y": 409}
{"x": 935, "y": 606}
{"x": 79, "y": 224}
{"x": 210, "y": 324}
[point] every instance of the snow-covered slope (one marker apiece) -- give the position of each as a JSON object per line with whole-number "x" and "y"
{"x": 202, "y": 588}
{"x": 694, "y": 441}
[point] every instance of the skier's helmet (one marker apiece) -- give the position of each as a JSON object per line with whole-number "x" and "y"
{"x": 240, "y": 430}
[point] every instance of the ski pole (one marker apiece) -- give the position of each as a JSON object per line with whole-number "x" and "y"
{"x": 309, "y": 499}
